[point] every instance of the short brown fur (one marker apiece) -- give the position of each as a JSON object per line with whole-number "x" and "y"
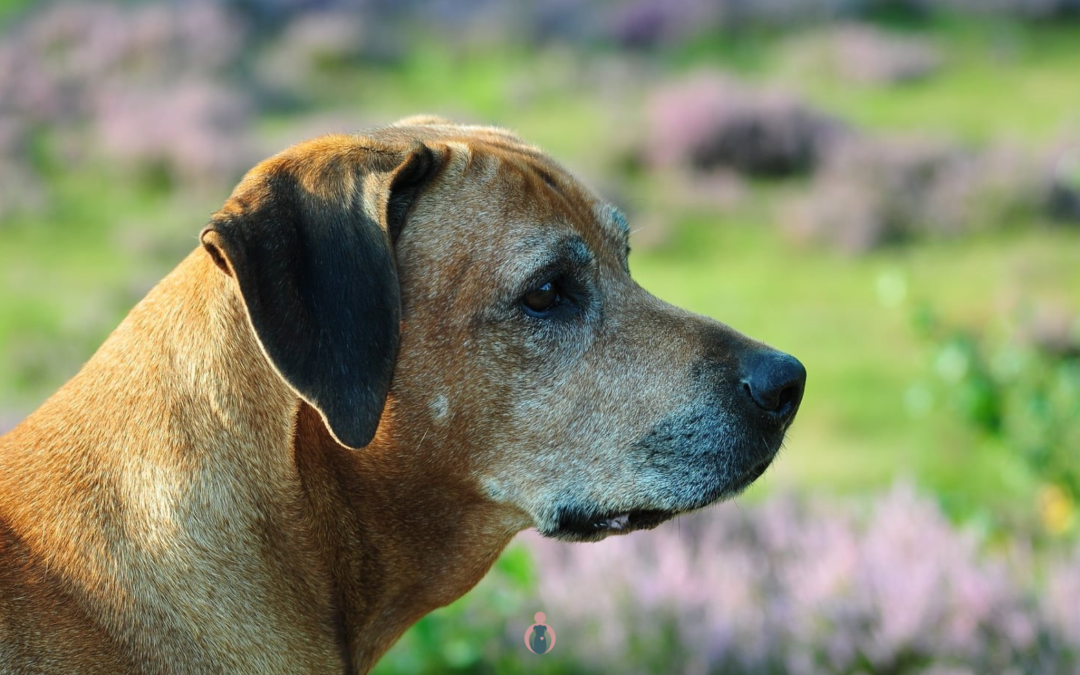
{"x": 185, "y": 504}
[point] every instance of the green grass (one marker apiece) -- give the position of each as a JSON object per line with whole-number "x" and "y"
{"x": 69, "y": 276}
{"x": 999, "y": 82}
{"x": 12, "y": 8}
{"x": 535, "y": 93}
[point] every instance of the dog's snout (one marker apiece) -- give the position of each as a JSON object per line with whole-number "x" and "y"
{"x": 774, "y": 381}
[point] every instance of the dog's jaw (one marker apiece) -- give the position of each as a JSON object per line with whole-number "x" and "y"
{"x": 583, "y": 522}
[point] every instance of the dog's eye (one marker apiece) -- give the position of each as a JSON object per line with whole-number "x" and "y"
{"x": 542, "y": 299}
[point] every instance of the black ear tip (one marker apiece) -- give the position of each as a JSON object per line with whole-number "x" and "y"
{"x": 352, "y": 419}
{"x": 355, "y": 434}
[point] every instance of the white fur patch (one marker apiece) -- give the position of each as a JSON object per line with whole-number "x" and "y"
{"x": 440, "y": 408}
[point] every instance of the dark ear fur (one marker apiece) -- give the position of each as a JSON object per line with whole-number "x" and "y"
{"x": 409, "y": 179}
{"x": 316, "y": 272}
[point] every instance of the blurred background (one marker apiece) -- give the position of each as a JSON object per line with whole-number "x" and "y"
{"x": 888, "y": 189}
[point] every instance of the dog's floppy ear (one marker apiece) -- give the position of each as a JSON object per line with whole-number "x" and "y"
{"x": 307, "y": 235}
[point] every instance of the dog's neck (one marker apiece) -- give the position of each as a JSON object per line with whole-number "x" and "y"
{"x": 407, "y": 536}
{"x": 159, "y": 485}
{"x": 152, "y": 410}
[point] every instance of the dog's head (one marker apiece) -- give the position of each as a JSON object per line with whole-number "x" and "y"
{"x": 452, "y": 291}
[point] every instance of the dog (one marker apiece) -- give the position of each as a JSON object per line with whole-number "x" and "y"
{"x": 388, "y": 355}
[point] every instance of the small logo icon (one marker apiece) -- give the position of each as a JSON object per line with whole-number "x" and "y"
{"x": 539, "y": 638}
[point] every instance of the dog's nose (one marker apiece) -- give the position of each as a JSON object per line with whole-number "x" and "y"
{"x": 774, "y": 381}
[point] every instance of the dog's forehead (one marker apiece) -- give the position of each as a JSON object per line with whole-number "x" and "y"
{"x": 499, "y": 163}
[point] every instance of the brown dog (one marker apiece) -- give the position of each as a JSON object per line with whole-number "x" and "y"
{"x": 390, "y": 354}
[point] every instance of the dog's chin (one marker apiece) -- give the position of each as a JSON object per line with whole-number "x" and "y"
{"x": 581, "y": 524}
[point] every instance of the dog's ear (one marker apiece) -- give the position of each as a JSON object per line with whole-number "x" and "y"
{"x": 308, "y": 237}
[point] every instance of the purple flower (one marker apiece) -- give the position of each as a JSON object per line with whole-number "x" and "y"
{"x": 805, "y": 586}
{"x": 873, "y": 191}
{"x": 709, "y": 122}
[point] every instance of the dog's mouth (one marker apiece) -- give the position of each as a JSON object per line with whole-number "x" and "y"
{"x": 633, "y": 520}
{"x": 580, "y": 527}
{"x": 575, "y": 524}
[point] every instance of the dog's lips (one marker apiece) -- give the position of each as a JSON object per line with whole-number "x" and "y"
{"x": 633, "y": 520}
{"x": 619, "y": 522}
